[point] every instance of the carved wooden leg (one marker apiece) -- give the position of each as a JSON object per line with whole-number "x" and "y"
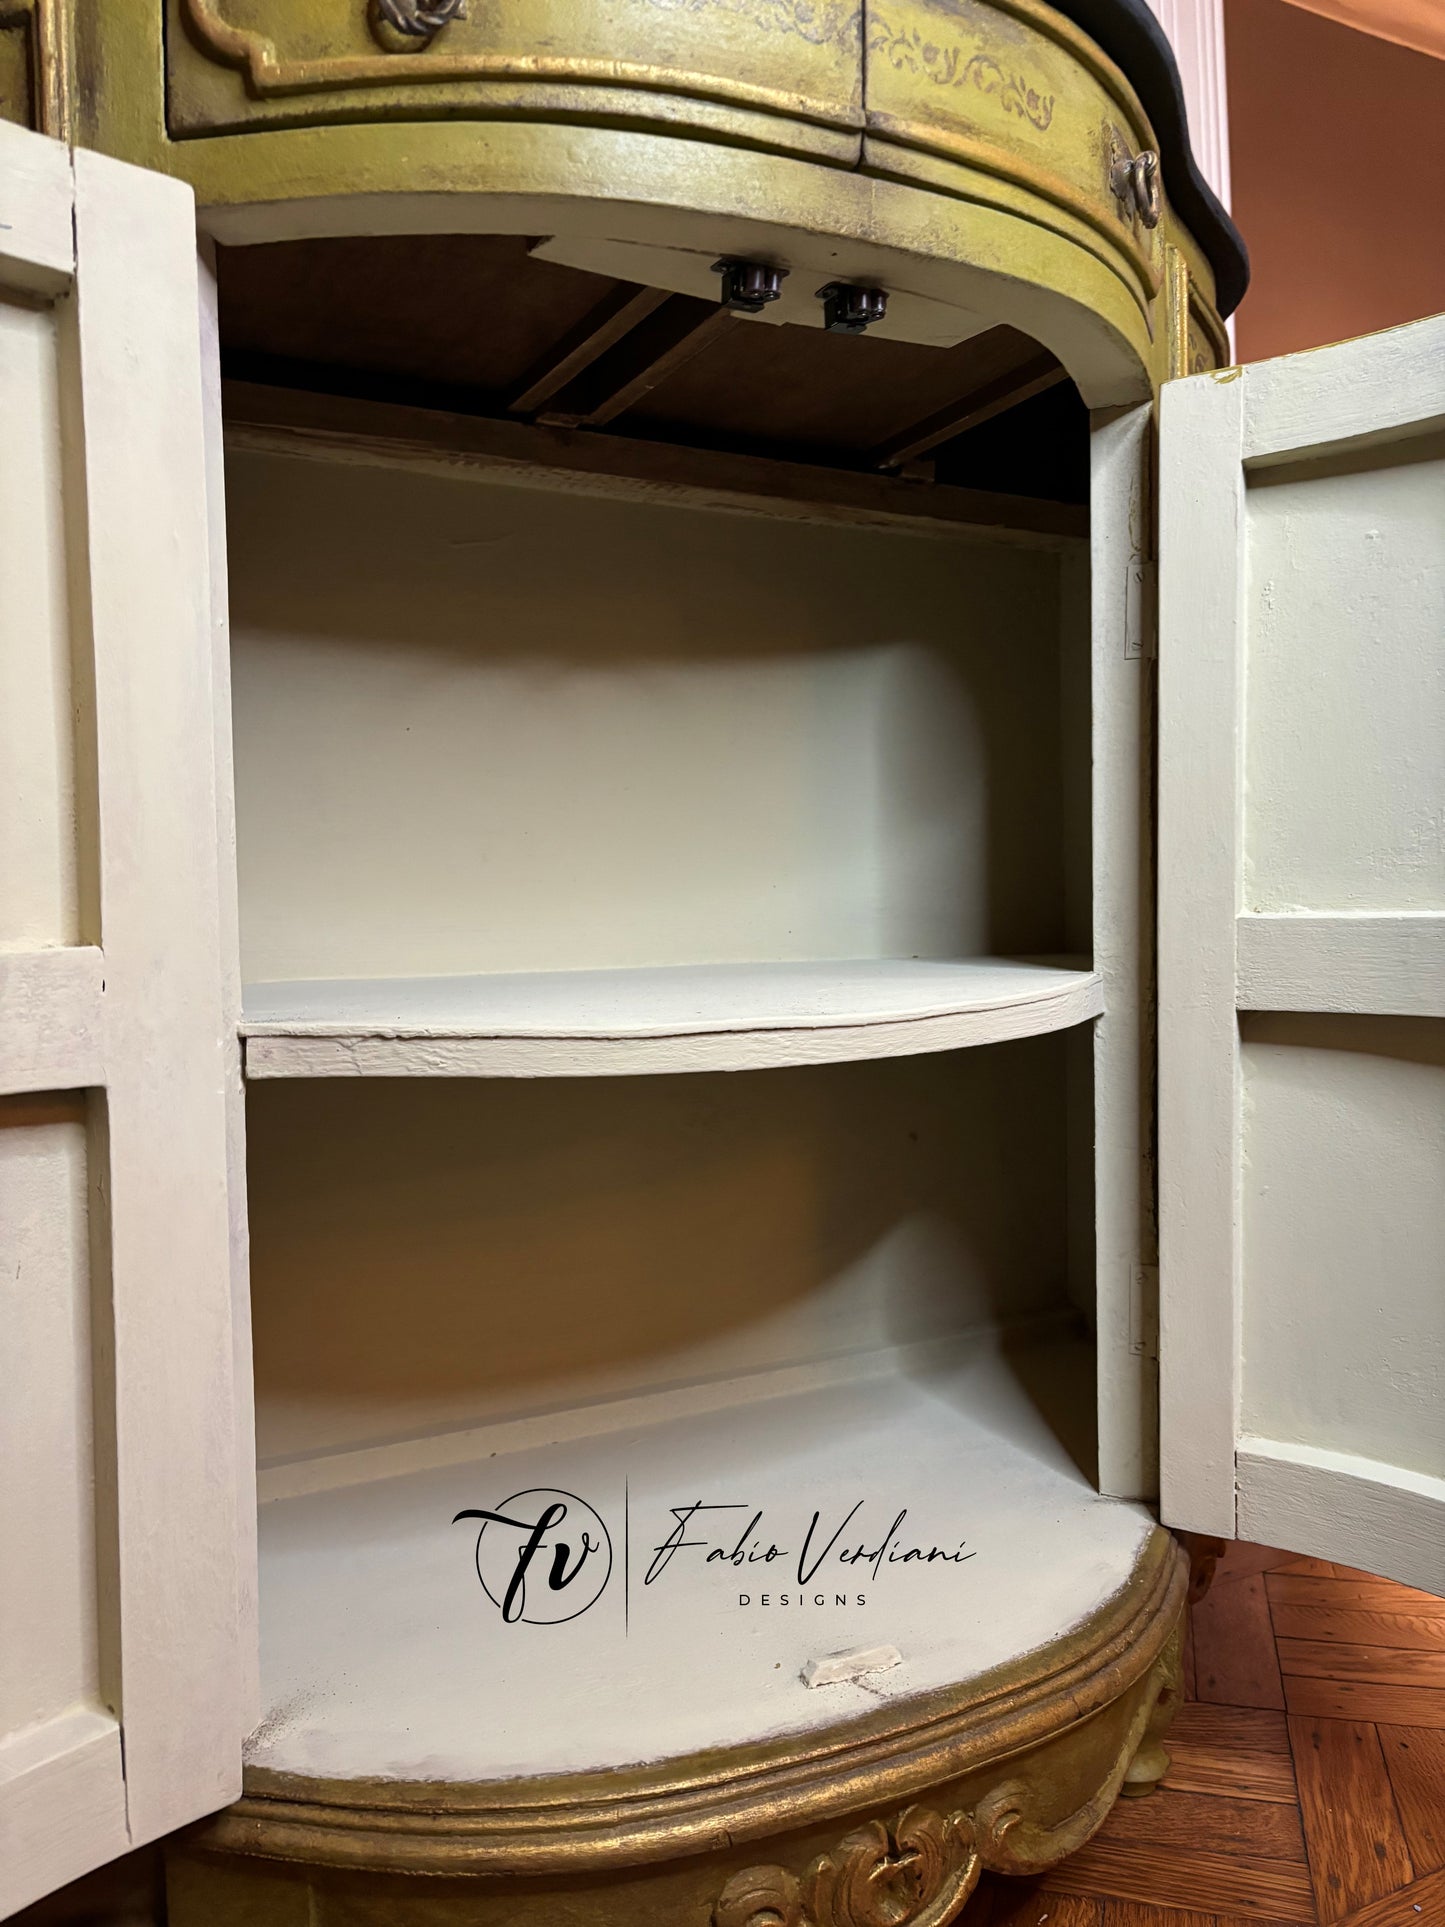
{"x": 1205, "y": 1554}
{"x": 1150, "y": 1763}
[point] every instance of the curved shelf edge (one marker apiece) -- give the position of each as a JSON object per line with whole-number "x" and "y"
{"x": 730, "y": 1019}
{"x": 1122, "y": 1659}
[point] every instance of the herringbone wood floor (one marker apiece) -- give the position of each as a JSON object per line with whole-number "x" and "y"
{"x": 1307, "y": 1786}
{"x": 1308, "y": 1777}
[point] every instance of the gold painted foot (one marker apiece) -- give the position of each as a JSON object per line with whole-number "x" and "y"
{"x": 1150, "y": 1763}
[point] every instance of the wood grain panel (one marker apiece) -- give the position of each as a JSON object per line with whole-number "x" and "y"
{"x": 1227, "y": 1840}
{"x": 1418, "y": 1906}
{"x": 1186, "y": 1660}
{"x": 1242, "y": 1753}
{"x": 1350, "y": 1700}
{"x": 1026, "y": 1903}
{"x": 1358, "y": 1595}
{"x": 1357, "y": 1847}
{"x": 1135, "y": 1913}
{"x": 1234, "y": 1654}
{"x": 1243, "y": 1884}
{"x": 1242, "y": 1559}
{"x": 1415, "y": 1761}
{"x": 1177, "y": 1822}
{"x": 1362, "y": 1628}
{"x": 1375, "y": 1665}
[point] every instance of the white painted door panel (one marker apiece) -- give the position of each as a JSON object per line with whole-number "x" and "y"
{"x": 123, "y": 1680}
{"x": 1302, "y": 953}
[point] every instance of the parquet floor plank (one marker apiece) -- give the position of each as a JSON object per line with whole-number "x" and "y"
{"x": 1186, "y": 1660}
{"x": 1027, "y": 1903}
{"x": 1170, "y": 1821}
{"x": 1357, "y": 1850}
{"x": 1374, "y": 1665}
{"x": 1243, "y": 1884}
{"x": 1234, "y": 1653}
{"x": 1240, "y": 1752}
{"x": 1307, "y": 1777}
{"x": 1415, "y": 1762}
{"x": 1419, "y": 1906}
{"x": 1357, "y": 1595}
{"x": 1136, "y": 1913}
{"x": 1241, "y": 1560}
{"x": 1330, "y": 1699}
{"x": 1359, "y": 1627}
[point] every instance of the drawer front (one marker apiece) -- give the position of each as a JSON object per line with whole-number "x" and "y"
{"x": 1007, "y": 102}
{"x": 779, "y": 73}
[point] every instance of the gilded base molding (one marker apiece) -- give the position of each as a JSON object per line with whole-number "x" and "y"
{"x": 886, "y": 1821}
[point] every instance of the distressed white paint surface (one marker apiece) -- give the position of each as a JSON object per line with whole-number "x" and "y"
{"x": 1303, "y": 769}
{"x": 1356, "y": 1505}
{"x": 38, "y": 885}
{"x": 37, "y": 200}
{"x": 1368, "y": 961}
{"x": 834, "y": 1668}
{"x": 248, "y": 1639}
{"x": 50, "y": 1654}
{"x": 1344, "y": 777}
{"x": 703, "y": 1017}
{"x": 116, "y": 1416}
{"x": 382, "y": 1655}
{"x": 623, "y": 771}
{"x": 431, "y": 1255}
{"x": 52, "y": 1019}
{"x": 1120, "y": 1143}
{"x": 1343, "y": 1203}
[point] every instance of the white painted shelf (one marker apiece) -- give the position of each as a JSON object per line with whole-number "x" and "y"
{"x": 688, "y": 1018}
{"x": 382, "y": 1655}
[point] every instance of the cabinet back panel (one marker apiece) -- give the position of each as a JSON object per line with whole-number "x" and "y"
{"x": 437, "y": 1254}
{"x": 484, "y": 728}
{"x": 1344, "y": 743}
{"x": 1344, "y": 1235}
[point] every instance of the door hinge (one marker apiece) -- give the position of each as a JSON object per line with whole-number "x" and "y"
{"x": 1140, "y": 599}
{"x": 1144, "y": 1312}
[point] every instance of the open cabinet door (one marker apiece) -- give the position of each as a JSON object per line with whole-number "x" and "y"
{"x": 124, "y": 1664}
{"x": 1302, "y": 953}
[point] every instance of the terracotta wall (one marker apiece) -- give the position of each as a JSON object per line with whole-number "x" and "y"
{"x": 1337, "y": 148}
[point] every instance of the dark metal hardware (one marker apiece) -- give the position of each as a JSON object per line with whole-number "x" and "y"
{"x": 1135, "y": 182}
{"x": 849, "y": 310}
{"x": 748, "y": 286}
{"x": 417, "y": 19}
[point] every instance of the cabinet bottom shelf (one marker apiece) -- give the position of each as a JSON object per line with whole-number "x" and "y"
{"x": 658, "y": 1756}
{"x": 714, "y": 1545}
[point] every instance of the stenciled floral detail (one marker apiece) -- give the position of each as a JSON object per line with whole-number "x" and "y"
{"x": 908, "y": 51}
{"x": 819, "y": 22}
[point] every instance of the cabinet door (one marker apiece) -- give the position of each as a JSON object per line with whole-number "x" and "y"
{"x": 123, "y": 1660}
{"x": 1302, "y": 953}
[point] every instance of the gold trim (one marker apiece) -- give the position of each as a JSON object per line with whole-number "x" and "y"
{"x": 267, "y": 74}
{"x": 612, "y": 1820}
{"x": 917, "y": 1871}
{"x": 999, "y": 164}
{"x": 53, "y": 68}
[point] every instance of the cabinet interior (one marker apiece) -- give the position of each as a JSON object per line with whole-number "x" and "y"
{"x": 498, "y": 732}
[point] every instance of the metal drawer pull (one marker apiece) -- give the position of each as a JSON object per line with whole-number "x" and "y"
{"x": 417, "y": 19}
{"x": 1136, "y": 183}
